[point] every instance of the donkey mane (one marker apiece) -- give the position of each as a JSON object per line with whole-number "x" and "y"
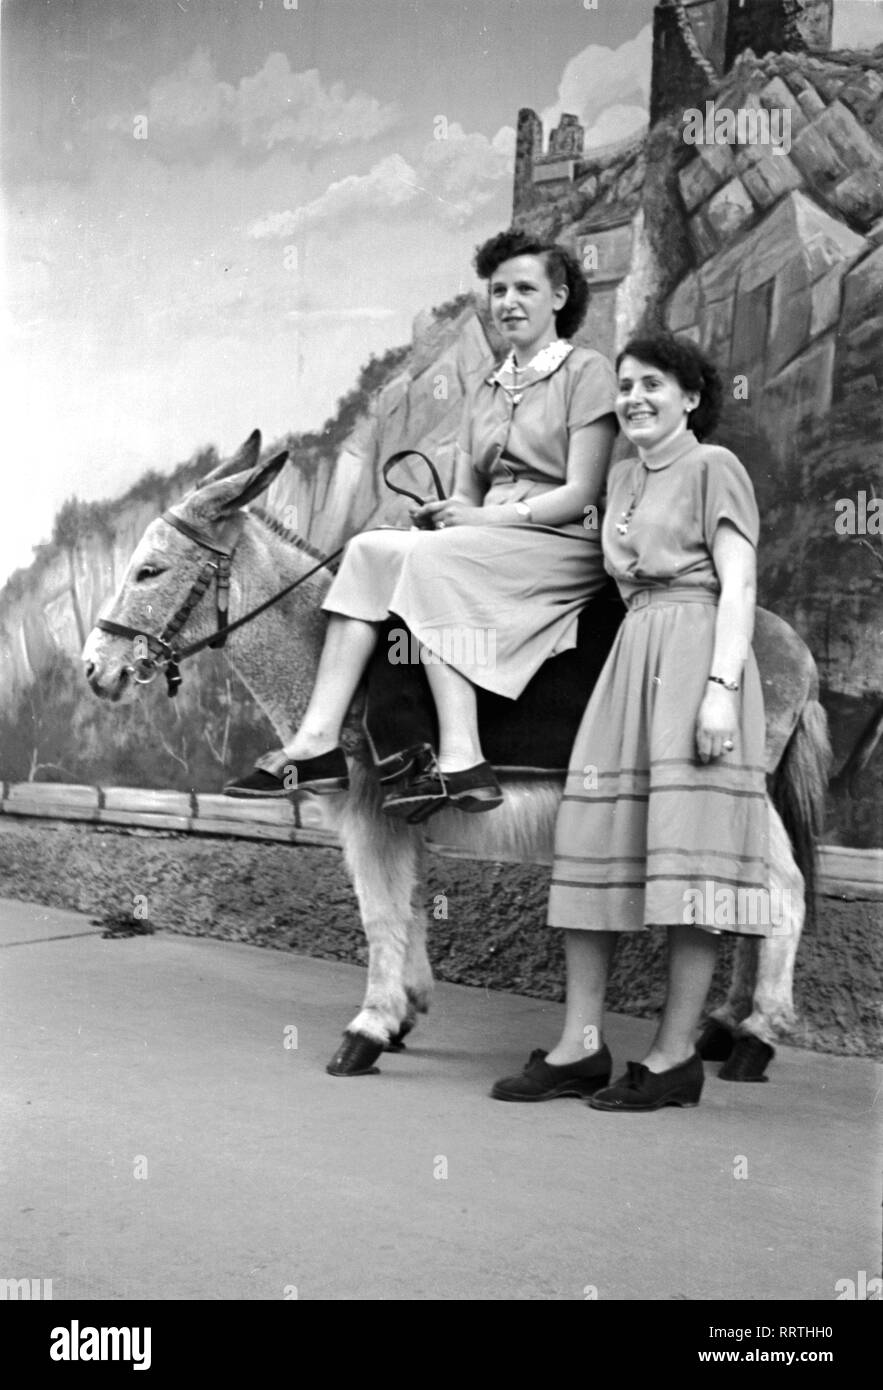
{"x": 263, "y": 514}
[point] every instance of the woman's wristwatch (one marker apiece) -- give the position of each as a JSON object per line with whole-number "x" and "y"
{"x": 524, "y": 511}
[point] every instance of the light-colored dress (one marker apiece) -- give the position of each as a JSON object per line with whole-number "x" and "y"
{"x": 496, "y": 601}
{"x": 647, "y": 834}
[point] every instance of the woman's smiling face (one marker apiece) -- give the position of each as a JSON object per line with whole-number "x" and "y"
{"x": 651, "y": 404}
{"x": 524, "y": 303}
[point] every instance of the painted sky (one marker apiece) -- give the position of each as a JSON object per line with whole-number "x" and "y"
{"x": 216, "y": 210}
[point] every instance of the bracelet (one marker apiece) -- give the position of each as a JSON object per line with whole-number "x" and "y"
{"x": 727, "y": 685}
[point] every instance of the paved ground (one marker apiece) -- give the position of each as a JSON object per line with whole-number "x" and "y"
{"x": 159, "y": 1140}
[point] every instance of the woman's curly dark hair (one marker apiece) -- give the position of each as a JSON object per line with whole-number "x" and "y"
{"x": 692, "y": 369}
{"x": 561, "y": 267}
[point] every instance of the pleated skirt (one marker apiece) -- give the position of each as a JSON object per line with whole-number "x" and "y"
{"x": 647, "y": 835}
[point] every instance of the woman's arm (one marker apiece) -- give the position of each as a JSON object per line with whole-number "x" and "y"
{"x": 736, "y": 564}
{"x": 469, "y": 489}
{"x": 588, "y": 458}
{"x": 469, "y": 486}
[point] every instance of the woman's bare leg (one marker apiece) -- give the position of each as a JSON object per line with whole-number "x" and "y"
{"x": 691, "y": 957}
{"x": 349, "y": 643}
{"x": 454, "y": 696}
{"x": 588, "y": 955}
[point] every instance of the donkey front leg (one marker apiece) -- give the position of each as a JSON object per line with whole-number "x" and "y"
{"x": 382, "y": 857}
{"x": 418, "y": 971}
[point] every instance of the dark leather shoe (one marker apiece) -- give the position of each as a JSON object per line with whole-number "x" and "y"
{"x": 474, "y": 789}
{"x": 541, "y": 1081}
{"x": 419, "y": 793}
{"x": 319, "y": 776}
{"x": 427, "y": 789}
{"x": 641, "y": 1089}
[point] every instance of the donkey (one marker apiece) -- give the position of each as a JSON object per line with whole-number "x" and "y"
{"x": 276, "y": 652}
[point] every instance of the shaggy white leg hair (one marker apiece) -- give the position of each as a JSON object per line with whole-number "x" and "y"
{"x": 383, "y": 859}
{"x": 759, "y": 1002}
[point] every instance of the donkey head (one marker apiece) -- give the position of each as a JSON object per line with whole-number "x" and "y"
{"x": 168, "y": 566}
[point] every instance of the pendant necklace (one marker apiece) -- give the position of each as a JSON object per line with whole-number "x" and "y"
{"x": 625, "y": 516}
{"x": 545, "y": 361}
{"x": 515, "y": 392}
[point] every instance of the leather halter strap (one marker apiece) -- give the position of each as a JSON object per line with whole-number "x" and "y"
{"x": 221, "y": 572}
{"x": 164, "y": 656}
{"x": 163, "y": 652}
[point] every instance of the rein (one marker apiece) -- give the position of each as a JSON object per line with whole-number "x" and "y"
{"x": 159, "y": 652}
{"x": 155, "y": 653}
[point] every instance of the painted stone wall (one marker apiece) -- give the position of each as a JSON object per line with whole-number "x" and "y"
{"x": 324, "y": 496}
{"x": 419, "y": 408}
{"x": 682, "y": 65}
{"x": 786, "y": 294}
{"x": 54, "y": 605}
{"x": 773, "y": 261}
{"x": 773, "y": 25}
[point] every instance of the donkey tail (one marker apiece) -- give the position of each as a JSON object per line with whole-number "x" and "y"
{"x": 798, "y": 792}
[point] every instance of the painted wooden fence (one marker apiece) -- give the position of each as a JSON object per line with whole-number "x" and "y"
{"x": 844, "y": 873}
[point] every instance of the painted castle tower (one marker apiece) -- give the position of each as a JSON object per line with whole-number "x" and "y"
{"x": 695, "y": 45}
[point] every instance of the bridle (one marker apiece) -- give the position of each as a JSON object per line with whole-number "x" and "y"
{"x": 161, "y": 652}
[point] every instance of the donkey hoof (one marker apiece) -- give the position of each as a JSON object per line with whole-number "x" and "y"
{"x": 355, "y": 1056}
{"x": 748, "y": 1060}
{"x": 715, "y": 1042}
{"x": 397, "y": 1040}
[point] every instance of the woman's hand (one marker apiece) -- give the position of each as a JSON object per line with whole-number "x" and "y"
{"x": 718, "y": 717}
{"x": 716, "y": 722}
{"x": 437, "y": 516}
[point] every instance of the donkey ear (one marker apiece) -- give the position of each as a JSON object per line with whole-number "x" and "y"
{"x": 226, "y": 495}
{"x": 246, "y": 456}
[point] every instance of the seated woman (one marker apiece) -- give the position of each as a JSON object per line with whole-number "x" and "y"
{"x": 497, "y": 584}
{"x": 665, "y": 794}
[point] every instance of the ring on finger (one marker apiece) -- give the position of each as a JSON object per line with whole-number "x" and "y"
{"x": 728, "y": 745}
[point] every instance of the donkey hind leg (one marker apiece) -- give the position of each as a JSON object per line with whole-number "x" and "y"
{"x": 718, "y": 1036}
{"x": 382, "y": 855}
{"x": 772, "y": 1007}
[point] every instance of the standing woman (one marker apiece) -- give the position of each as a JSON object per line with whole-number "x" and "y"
{"x": 663, "y": 821}
{"x": 497, "y": 584}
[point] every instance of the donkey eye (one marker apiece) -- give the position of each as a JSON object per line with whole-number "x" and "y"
{"x": 147, "y": 572}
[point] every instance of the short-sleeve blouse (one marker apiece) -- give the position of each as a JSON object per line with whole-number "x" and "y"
{"x": 517, "y": 442}
{"x": 661, "y": 517}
